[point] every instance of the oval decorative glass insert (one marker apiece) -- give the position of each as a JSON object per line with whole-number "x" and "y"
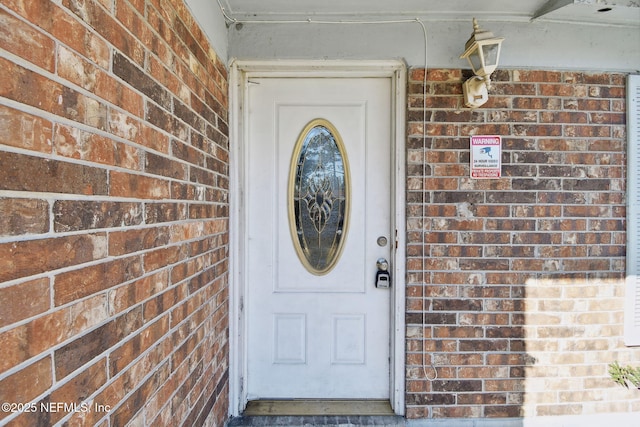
{"x": 319, "y": 187}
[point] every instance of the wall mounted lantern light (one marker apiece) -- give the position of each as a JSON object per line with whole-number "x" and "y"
{"x": 482, "y": 50}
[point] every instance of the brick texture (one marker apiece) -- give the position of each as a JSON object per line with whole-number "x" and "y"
{"x": 516, "y": 285}
{"x": 114, "y": 231}
{"x": 114, "y": 172}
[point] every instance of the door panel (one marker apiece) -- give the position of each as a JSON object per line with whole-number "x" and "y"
{"x": 317, "y": 335}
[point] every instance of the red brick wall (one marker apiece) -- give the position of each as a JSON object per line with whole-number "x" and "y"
{"x": 520, "y": 281}
{"x": 113, "y": 214}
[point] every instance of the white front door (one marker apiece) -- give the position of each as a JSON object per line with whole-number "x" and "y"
{"x": 318, "y": 182}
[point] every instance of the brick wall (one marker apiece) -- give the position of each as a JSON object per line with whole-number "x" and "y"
{"x": 113, "y": 214}
{"x": 520, "y": 281}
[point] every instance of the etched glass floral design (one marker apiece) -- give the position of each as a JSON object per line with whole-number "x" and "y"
{"x": 319, "y": 196}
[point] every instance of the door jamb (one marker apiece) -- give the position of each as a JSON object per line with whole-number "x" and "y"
{"x": 240, "y": 73}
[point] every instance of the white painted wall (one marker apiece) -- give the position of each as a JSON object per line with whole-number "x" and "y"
{"x": 210, "y": 18}
{"x": 540, "y": 45}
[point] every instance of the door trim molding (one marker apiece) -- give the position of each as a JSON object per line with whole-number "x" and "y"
{"x": 240, "y": 74}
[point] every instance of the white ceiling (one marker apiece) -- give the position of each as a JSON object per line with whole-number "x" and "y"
{"x": 622, "y": 13}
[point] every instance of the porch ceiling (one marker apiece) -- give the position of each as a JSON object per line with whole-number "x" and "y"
{"x": 623, "y": 12}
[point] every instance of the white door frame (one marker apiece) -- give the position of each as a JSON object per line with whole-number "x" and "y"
{"x": 241, "y": 73}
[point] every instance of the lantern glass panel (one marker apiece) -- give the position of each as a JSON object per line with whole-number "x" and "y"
{"x": 490, "y": 52}
{"x": 475, "y": 61}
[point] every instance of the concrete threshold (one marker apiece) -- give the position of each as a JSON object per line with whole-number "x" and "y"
{"x": 312, "y": 412}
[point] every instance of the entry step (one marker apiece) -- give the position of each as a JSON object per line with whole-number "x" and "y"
{"x": 318, "y": 412}
{"x": 318, "y": 421}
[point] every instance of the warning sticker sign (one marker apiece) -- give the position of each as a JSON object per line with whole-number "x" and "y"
{"x": 486, "y": 156}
